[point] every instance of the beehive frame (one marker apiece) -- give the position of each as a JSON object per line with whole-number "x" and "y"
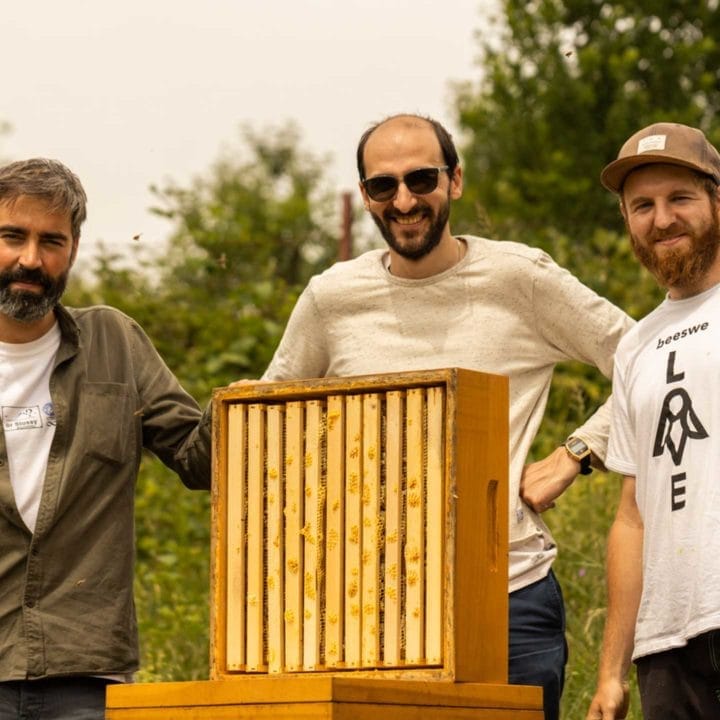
{"x": 360, "y": 525}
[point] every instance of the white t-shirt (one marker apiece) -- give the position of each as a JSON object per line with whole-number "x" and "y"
{"x": 28, "y": 416}
{"x": 666, "y": 390}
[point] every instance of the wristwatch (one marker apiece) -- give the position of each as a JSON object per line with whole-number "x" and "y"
{"x": 578, "y": 450}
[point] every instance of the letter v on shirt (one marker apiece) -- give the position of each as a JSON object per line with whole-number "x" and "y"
{"x": 28, "y": 418}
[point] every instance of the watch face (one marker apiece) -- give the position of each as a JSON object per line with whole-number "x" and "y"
{"x": 576, "y": 446}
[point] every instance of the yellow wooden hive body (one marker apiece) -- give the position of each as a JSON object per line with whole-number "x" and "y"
{"x": 357, "y": 525}
{"x": 359, "y": 550}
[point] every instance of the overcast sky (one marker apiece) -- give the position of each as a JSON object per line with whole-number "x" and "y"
{"x": 135, "y": 92}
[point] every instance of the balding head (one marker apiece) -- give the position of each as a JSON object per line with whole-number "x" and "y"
{"x": 409, "y": 121}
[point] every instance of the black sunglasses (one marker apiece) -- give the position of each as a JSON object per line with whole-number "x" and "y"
{"x": 422, "y": 181}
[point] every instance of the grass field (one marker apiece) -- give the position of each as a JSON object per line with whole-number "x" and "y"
{"x": 580, "y": 522}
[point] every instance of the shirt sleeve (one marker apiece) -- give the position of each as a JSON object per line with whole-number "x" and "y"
{"x": 303, "y": 351}
{"x": 173, "y": 427}
{"x": 620, "y": 456}
{"x": 583, "y": 326}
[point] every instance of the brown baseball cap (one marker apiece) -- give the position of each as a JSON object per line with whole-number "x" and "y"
{"x": 669, "y": 143}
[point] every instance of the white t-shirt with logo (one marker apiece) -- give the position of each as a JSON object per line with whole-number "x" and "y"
{"x": 28, "y": 417}
{"x": 666, "y": 432}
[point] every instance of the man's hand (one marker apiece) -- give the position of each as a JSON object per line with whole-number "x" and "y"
{"x": 544, "y": 481}
{"x": 244, "y": 381}
{"x": 611, "y": 701}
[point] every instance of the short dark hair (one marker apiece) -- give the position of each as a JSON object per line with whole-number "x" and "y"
{"x": 49, "y": 180}
{"x": 450, "y": 155}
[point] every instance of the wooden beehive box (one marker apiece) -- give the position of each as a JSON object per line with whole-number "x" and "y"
{"x": 360, "y": 525}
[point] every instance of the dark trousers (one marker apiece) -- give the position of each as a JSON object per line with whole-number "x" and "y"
{"x": 683, "y": 683}
{"x": 538, "y": 651}
{"x": 80, "y": 698}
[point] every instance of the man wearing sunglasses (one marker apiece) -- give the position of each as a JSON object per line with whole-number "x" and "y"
{"x": 435, "y": 300}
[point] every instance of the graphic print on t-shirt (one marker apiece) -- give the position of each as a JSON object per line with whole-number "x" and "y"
{"x": 678, "y": 421}
{"x": 21, "y": 418}
{"x": 677, "y": 424}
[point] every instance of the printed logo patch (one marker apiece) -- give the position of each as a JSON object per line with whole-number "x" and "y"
{"x": 652, "y": 142}
{"x": 21, "y": 418}
{"x": 49, "y": 410}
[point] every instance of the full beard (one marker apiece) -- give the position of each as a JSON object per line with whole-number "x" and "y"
{"x": 680, "y": 267}
{"x": 421, "y": 246}
{"x": 25, "y": 306}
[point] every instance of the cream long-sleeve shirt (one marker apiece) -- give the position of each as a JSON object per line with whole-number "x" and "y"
{"x": 505, "y": 308}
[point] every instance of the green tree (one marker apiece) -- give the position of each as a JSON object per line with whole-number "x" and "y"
{"x": 247, "y": 236}
{"x": 563, "y": 84}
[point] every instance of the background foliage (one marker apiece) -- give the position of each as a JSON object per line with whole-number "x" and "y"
{"x": 561, "y": 86}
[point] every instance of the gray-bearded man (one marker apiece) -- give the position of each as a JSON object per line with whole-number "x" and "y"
{"x": 82, "y": 392}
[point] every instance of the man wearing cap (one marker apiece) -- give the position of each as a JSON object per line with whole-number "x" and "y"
{"x": 663, "y": 561}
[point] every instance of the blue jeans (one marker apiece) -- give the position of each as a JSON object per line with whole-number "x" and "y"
{"x": 538, "y": 651}
{"x": 66, "y": 698}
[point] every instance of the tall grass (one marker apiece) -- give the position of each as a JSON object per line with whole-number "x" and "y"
{"x": 580, "y": 522}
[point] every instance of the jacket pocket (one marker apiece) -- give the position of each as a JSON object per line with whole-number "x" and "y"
{"x": 106, "y": 420}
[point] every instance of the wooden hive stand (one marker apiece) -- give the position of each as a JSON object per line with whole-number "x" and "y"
{"x": 359, "y": 555}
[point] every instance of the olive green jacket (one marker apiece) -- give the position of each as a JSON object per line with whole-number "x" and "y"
{"x": 66, "y": 591}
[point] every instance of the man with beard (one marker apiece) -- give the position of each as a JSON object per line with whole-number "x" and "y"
{"x": 436, "y": 300}
{"x": 663, "y": 561}
{"x": 82, "y": 392}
